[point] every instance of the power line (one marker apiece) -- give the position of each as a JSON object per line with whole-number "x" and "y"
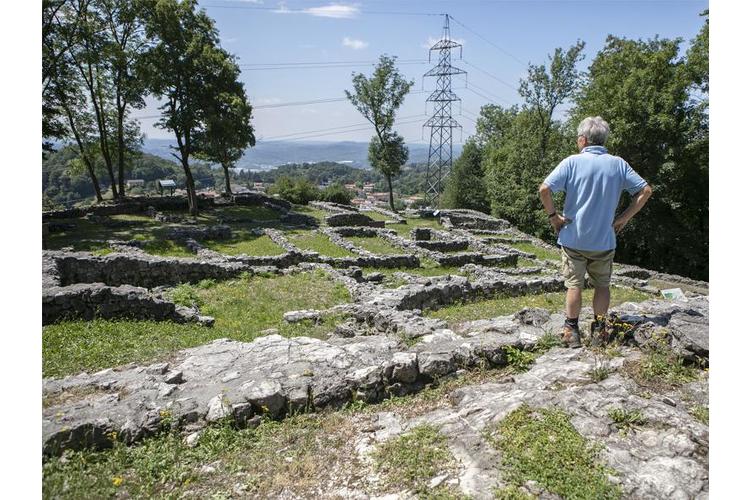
{"x": 335, "y": 131}
{"x": 288, "y": 104}
{"x": 306, "y": 63}
{"x": 494, "y": 96}
{"x": 492, "y": 76}
{"x": 483, "y": 96}
{"x": 490, "y": 42}
{"x": 325, "y": 66}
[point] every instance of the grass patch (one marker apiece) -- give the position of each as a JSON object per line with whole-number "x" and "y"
{"x": 412, "y": 459}
{"x": 660, "y": 367}
{"x": 512, "y": 493}
{"x": 626, "y": 420}
{"x": 500, "y": 306}
{"x": 83, "y": 237}
{"x": 700, "y": 413}
{"x": 320, "y": 215}
{"x": 541, "y": 253}
{"x": 246, "y": 243}
{"x": 317, "y": 242}
{"x": 302, "y": 448}
{"x": 405, "y": 229}
{"x": 375, "y": 215}
{"x": 375, "y": 244}
{"x": 542, "y": 445}
{"x": 243, "y": 308}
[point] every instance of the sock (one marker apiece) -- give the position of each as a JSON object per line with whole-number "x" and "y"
{"x": 572, "y": 322}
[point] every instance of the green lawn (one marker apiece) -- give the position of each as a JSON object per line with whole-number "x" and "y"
{"x": 313, "y": 212}
{"x": 242, "y": 307}
{"x": 375, "y": 215}
{"x": 501, "y": 306}
{"x": 540, "y": 252}
{"x": 375, "y": 244}
{"x": 246, "y": 243}
{"x": 411, "y": 223}
{"x": 147, "y": 230}
{"x": 317, "y": 242}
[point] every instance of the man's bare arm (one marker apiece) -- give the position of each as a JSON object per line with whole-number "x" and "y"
{"x": 557, "y": 221}
{"x": 636, "y": 205}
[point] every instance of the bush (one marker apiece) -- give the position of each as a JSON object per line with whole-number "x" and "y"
{"x": 336, "y": 193}
{"x": 297, "y": 191}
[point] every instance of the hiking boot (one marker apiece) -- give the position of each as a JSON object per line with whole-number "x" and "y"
{"x": 571, "y": 337}
{"x": 599, "y": 333}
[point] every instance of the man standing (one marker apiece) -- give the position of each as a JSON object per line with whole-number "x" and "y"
{"x": 593, "y": 182}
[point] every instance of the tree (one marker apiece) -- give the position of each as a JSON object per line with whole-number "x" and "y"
{"x": 543, "y": 90}
{"x": 124, "y": 48}
{"x": 387, "y": 154}
{"x": 377, "y": 99}
{"x": 336, "y": 193}
{"x": 182, "y": 67}
{"x": 522, "y": 145}
{"x": 298, "y": 191}
{"x": 228, "y": 131}
{"x": 65, "y": 110}
{"x": 465, "y": 187}
{"x": 643, "y": 89}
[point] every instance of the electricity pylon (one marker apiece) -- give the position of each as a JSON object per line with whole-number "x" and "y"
{"x": 441, "y": 124}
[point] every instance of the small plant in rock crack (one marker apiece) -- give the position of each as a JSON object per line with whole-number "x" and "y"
{"x": 518, "y": 359}
{"x": 601, "y": 369}
{"x": 626, "y": 420}
{"x": 185, "y": 295}
{"x": 547, "y": 342}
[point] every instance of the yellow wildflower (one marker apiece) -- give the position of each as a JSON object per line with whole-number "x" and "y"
{"x": 117, "y": 481}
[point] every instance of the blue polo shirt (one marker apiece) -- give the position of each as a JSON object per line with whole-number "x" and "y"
{"x": 593, "y": 182}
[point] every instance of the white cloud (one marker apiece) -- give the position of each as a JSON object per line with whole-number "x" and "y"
{"x": 431, "y": 40}
{"x": 334, "y": 10}
{"x": 353, "y": 43}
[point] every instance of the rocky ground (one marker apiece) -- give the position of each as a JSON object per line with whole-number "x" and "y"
{"x": 394, "y": 401}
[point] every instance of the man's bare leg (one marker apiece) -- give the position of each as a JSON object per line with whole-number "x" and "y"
{"x": 571, "y": 335}
{"x": 601, "y": 300}
{"x": 573, "y": 302}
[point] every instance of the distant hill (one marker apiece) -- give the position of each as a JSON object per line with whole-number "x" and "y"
{"x": 267, "y": 155}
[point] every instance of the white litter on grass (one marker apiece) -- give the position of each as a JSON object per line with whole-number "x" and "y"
{"x": 673, "y": 294}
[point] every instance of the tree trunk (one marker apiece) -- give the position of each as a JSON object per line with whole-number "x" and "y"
{"x": 226, "y": 178}
{"x": 120, "y": 147}
{"x": 86, "y": 161}
{"x": 390, "y": 193}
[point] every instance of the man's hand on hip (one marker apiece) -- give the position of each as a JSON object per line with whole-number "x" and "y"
{"x": 620, "y": 223}
{"x": 558, "y": 221}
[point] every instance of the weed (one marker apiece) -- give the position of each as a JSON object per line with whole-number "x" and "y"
{"x": 185, "y": 295}
{"x": 518, "y": 359}
{"x": 700, "y": 412}
{"x": 626, "y": 420}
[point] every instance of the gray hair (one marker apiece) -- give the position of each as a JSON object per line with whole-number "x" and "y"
{"x": 594, "y": 129}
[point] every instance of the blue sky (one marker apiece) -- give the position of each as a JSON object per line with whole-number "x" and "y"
{"x": 499, "y": 38}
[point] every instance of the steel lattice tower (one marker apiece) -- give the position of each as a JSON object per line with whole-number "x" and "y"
{"x": 442, "y": 123}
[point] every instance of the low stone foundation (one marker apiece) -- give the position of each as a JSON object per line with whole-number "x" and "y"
{"x": 96, "y": 300}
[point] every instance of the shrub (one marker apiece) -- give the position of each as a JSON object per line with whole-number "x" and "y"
{"x": 298, "y": 191}
{"x": 336, "y": 193}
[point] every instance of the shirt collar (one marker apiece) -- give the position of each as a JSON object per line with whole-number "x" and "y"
{"x": 596, "y": 150}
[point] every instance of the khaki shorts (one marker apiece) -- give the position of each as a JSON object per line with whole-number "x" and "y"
{"x": 576, "y": 263}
